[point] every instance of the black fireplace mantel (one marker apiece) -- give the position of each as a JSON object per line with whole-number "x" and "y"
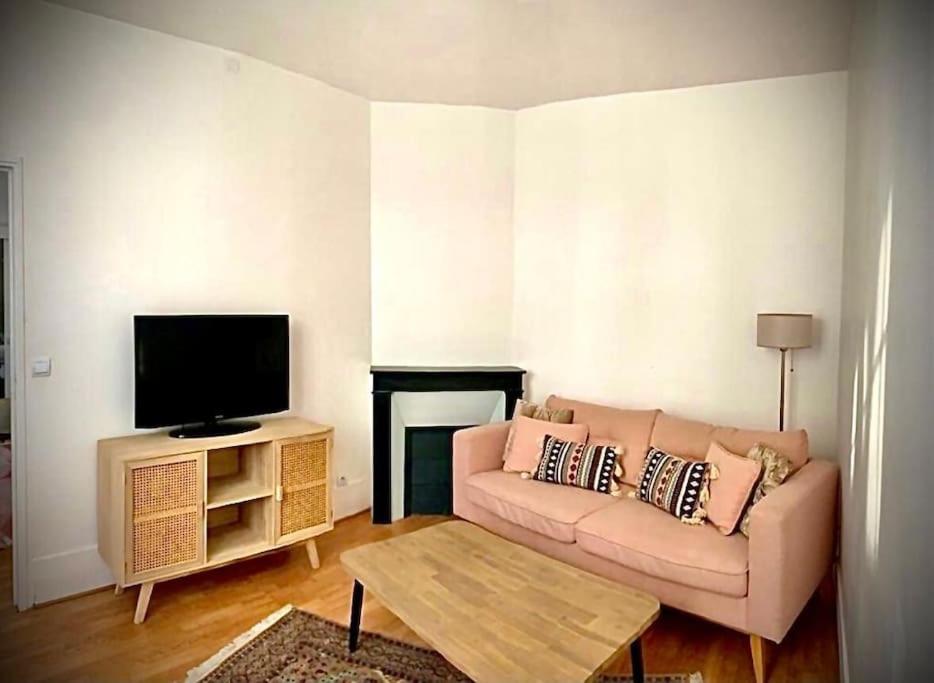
{"x": 388, "y": 379}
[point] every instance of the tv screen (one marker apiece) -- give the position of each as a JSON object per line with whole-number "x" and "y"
{"x": 203, "y": 368}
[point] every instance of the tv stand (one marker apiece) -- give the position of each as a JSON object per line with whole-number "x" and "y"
{"x": 213, "y": 428}
{"x": 169, "y": 507}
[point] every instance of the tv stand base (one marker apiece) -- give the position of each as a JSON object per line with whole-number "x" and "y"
{"x": 209, "y": 429}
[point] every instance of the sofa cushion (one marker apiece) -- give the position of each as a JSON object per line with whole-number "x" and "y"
{"x": 546, "y": 509}
{"x": 536, "y": 412}
{"x": 679, "y": 486}
{"x": 568, "y": 463}
{"x": 631, "y": 429}
{"x": 731, "y": 491}
{"x": 528, "y": 439}
{"x": 643, "y": 538}
{"x": 775, "y": 469}
{"x": 691, "y": 439}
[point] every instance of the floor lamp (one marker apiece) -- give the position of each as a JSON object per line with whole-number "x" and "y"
{"x": 783, "y": 331}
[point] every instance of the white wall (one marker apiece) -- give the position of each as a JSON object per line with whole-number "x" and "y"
{"x": 4, "y": 202}
{"x": 441, "y": 219}
{"x": 650, "y": 228}
{"x": 618, "y": 247}
{"x": 886, "y": 362}
{"x": 157, "y": 181}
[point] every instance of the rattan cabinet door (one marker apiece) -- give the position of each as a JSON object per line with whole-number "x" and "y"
{"x": 165, "y": 515}
{"x": 303, "y": 497}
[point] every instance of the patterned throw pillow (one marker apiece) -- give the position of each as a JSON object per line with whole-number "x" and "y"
{"x": 585, "y": 466}
{"x": 677, "y": 486}
{"x": 775, "y": 469}
{"x": 536, "y": 412}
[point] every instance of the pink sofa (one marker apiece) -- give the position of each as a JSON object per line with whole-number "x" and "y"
{"x": 757, "y": 586}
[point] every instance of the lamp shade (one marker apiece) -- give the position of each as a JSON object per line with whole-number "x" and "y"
{"x": 784, "y": 330}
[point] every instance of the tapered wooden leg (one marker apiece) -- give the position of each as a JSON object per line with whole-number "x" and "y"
{"x": 118, "y": 589}
{"x": 142, "y": 603}
{"x": 312, "y": 549}
{"x": 757, "y": 645}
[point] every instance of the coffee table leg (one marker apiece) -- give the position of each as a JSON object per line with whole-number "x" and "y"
{"x": 638, "y": 670}
{"x": 356, "y": 607}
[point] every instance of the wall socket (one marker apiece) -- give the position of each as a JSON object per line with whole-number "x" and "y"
{"x": 41, "y": 366}
{"x": 341, "y": 482}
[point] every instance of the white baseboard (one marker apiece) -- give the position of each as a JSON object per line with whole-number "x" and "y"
{"x": 351, "y": 499}
{"x": 64, "y": 574}
{"x": 841, "y": 627}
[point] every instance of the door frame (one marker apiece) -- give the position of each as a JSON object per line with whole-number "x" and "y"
{"x": 23, "y": 596}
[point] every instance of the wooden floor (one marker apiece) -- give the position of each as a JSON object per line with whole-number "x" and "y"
{"x": 92, "y": 638}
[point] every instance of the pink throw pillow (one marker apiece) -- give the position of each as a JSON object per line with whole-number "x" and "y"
{"x": 526, "y": 448}
{"x": 730, "y": 492}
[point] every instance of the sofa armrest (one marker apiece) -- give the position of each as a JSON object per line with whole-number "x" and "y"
{"x": 791, "y": 540}
{"x": 476, "y": 449}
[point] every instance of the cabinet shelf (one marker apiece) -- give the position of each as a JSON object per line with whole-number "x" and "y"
{"x": 235, "y": 489}
{"x": 232, "y": 541}
{"x": 239, "y": 474}
{"x": 238, "y": 529}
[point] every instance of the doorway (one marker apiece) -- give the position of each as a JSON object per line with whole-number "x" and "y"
{"x": 13, "y": 541}
{"x": 6, "y": 443}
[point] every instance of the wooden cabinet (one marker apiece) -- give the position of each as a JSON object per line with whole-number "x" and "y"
{"x": 169, "y": 507}
{"x": 303, "y": 497}
{"x": 164, "y": 514}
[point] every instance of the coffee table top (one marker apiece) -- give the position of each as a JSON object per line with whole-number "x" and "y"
{"x": 499, "y": 611}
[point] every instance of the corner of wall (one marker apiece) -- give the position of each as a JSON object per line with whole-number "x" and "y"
{"x": 841, "y": 627}
{"x": 351, "y": 499}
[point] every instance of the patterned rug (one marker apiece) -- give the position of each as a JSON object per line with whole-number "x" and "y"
{"x": 292, "y": 645}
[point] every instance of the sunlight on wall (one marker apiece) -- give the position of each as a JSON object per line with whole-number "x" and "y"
{"x": 875, "y": 411}
{"x": 854, "y": 423}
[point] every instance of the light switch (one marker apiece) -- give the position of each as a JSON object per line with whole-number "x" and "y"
{"x": 42, "y": 367}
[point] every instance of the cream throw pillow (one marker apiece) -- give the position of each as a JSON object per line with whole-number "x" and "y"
{"x": 775, "y": 469}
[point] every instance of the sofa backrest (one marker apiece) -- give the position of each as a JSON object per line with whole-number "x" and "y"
{"x": 691, "y": 439}
{"x": 631, "y": 429}
{"x": 636, "y": 430}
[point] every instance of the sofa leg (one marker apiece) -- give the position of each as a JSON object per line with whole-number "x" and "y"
{"x": 827, "y": 590}
{"x": 757, "y": 645}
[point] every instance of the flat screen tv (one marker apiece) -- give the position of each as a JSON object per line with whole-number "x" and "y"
{"x": 199, "y": 370}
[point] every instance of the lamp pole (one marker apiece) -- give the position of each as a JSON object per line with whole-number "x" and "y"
{"x": 781, "y": 400}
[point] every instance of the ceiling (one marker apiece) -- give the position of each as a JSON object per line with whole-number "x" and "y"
{"x": 509, "y": 53}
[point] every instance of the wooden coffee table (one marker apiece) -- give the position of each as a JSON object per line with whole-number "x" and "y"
{"x": 499, "y": 611}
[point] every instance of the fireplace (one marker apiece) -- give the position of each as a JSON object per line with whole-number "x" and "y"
{"x": 427, "y": 485}
{"x": 416, "y": 411}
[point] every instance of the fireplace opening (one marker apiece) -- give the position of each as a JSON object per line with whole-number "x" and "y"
{"x": 431, "y": 402}
{"x": 428, "y": 462}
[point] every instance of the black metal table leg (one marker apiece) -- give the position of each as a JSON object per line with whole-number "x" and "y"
{"x": 356, "y": 607}
{"x": 638, "y": 670}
